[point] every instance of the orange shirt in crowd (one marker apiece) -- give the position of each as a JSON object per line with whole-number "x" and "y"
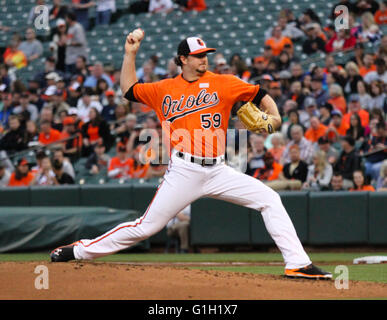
{"x": 92, "y": 131}
{"x": 364, "y": 118}
{"x": 140, "y": 171}
{"x": 127, "y": 165}
{"x": 363, "y": 188}
{"x": 198, "y": 5}
{"x": 363, "y": 70}
{"x": 278, "y": 45}
{"x": 339, "y": 103}
{"x": 17, "y": 58}
{"x": 313, "y": 135}
{"x": 269, "y": 175}
{"x": 23, "y": 182}
{"x": 381, "y": 17}
{"x": 277, "y": 153}
{"x": 53, "y": 136}
{"x": 342, "y": 130}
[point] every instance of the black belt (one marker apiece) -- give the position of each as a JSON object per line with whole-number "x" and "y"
{"x": 205, "y": 162}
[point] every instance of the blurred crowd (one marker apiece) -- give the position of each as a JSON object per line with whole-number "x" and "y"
{"x": 333, "y": 135}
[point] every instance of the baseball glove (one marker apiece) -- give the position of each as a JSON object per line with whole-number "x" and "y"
{"x": 254, "y": 119}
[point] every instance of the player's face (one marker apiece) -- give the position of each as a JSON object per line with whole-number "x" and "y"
{"x": 198, "y": 62}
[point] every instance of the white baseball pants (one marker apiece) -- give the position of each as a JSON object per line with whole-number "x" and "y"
{"x": 185, "y": 182}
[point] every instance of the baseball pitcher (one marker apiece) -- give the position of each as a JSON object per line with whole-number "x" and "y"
{"x": 194, "y": 108}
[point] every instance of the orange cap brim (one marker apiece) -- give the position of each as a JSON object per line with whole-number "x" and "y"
{"x": 202, "y": 51}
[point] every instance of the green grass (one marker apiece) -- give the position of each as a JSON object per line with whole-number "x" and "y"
{"x": 346, "y": 257}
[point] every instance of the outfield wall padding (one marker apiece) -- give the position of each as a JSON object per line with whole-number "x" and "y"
{"x": 37, "y": 228}
{"x": 320, "y": 218}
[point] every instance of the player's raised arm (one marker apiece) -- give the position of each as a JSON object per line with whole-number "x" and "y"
{"x": 270, "y": 107}
{"x": 128, "y": 69}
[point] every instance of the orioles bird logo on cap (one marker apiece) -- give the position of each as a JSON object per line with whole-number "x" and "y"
{"x": 200, "y": 42}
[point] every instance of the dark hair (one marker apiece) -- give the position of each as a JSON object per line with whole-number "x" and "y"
{"x": 178, "y": 61}
{"x": 71, "y": 15}
{"x": 337, "y": 174}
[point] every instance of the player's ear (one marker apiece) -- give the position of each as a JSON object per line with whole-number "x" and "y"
{"x": 183, "y": 60}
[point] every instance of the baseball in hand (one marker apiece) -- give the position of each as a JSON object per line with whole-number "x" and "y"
{"x": 138, "y": 34}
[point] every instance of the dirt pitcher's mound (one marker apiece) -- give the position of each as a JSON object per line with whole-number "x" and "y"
{"x": 115, "y": 281}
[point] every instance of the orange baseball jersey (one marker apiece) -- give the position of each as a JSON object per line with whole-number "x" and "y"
{"x": 195, "y": 114}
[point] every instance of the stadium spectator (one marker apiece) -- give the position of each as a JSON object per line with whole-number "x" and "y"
{"x": 94, "y": 131}
{"x": 256, "y": 153}
{"x": 33, "y": 13}
{"x": 125, "y": 129}
{"x": 57, "y": 11}
{"x": 97, "y": 72}
{"x": 108, "y": 111}
{"x": 336, "y": 183}
{"x": 86, "y": 103}
{"x": 316, "y": 130}
{"x": 305, "y": 146}
{"x": 178, "y": 227}
{"x": 61, "y": 176}
{"x": 348, "y": 161}
{"x": 359, "y": 182}
{"x": 355, "y": 107}
{"x": 76, "y": 44}
{"x": 294, "y": 172}
{"x": 325, "y": 114}
{"x": 368, "y": 64}
{"x": 358, "y": 57}
{"x": 31, "y": 133}
{"x": 72, "y": 138}
{"x": 277, "y": 41}
{"x": 22, "y": 176}
{"x": 381, "y": 14}
{"x": 59, "y": 158}
{"x": 98, "y": 161}
{"x": 319, "y": 173}
{"x": 314, "y": 43}
{"x": 45, "y": 176}
{"x": 13, "y": 57}
{"x": 278, "y": 146}
{"x": 378, "y": 95}
{"x": 270, "y": 171}
{"x": 49, "y": 67}
{"x": 380, "y": 73}
{"x": 342, "y": 40}
{"x": 362, "y": 6}
{"x": 5, "y": 175}
{"x": 31, "y": 47}
{"x": 48, "y": 135}
{"x": 6, "y": 110}
{"x": 189, "y": 5}
{"x": 375, "y": 151}
{"x": 356, "y": 130}
{"x": 58, "y": 44}
{"x": 336, "y": 98}
{"x": 364, "y": 97}
{"x": 13, "y": 140}
{"x": 81, "y": 11}
{"x": 121, "y": 166}
{"x": 160, "y": 6}
{"x": 381, "y": 183}
{"x": 310, "y": 110}
{"x": 331, "y": 153}
{"x": 318, "y": 92}
{"x": 104, "y": 11}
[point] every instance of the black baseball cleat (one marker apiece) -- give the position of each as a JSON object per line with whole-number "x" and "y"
{"x": 308, "y": 272}
{"x": 62, "y": 254}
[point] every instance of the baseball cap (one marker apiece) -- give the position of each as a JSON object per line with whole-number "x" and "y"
{"x": 192, "y": 46}
{"x": 259, "y": 59}
{"x": 121, "y": 147}
{"x": 354, "y": 97}
{"x": 22, "y": 162}
{"x": 336, "y": 113}
{"x": 52, "y": 76}
{"x": 310, "y": 101}
{"x": 60, "y": 22}
{"x": 328, "y": 106}
{"x": 284, "y": 74}
{"x": 50, "y": 91}
{"x": 109, "y": 93}
{"x": 267, "y": 77}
